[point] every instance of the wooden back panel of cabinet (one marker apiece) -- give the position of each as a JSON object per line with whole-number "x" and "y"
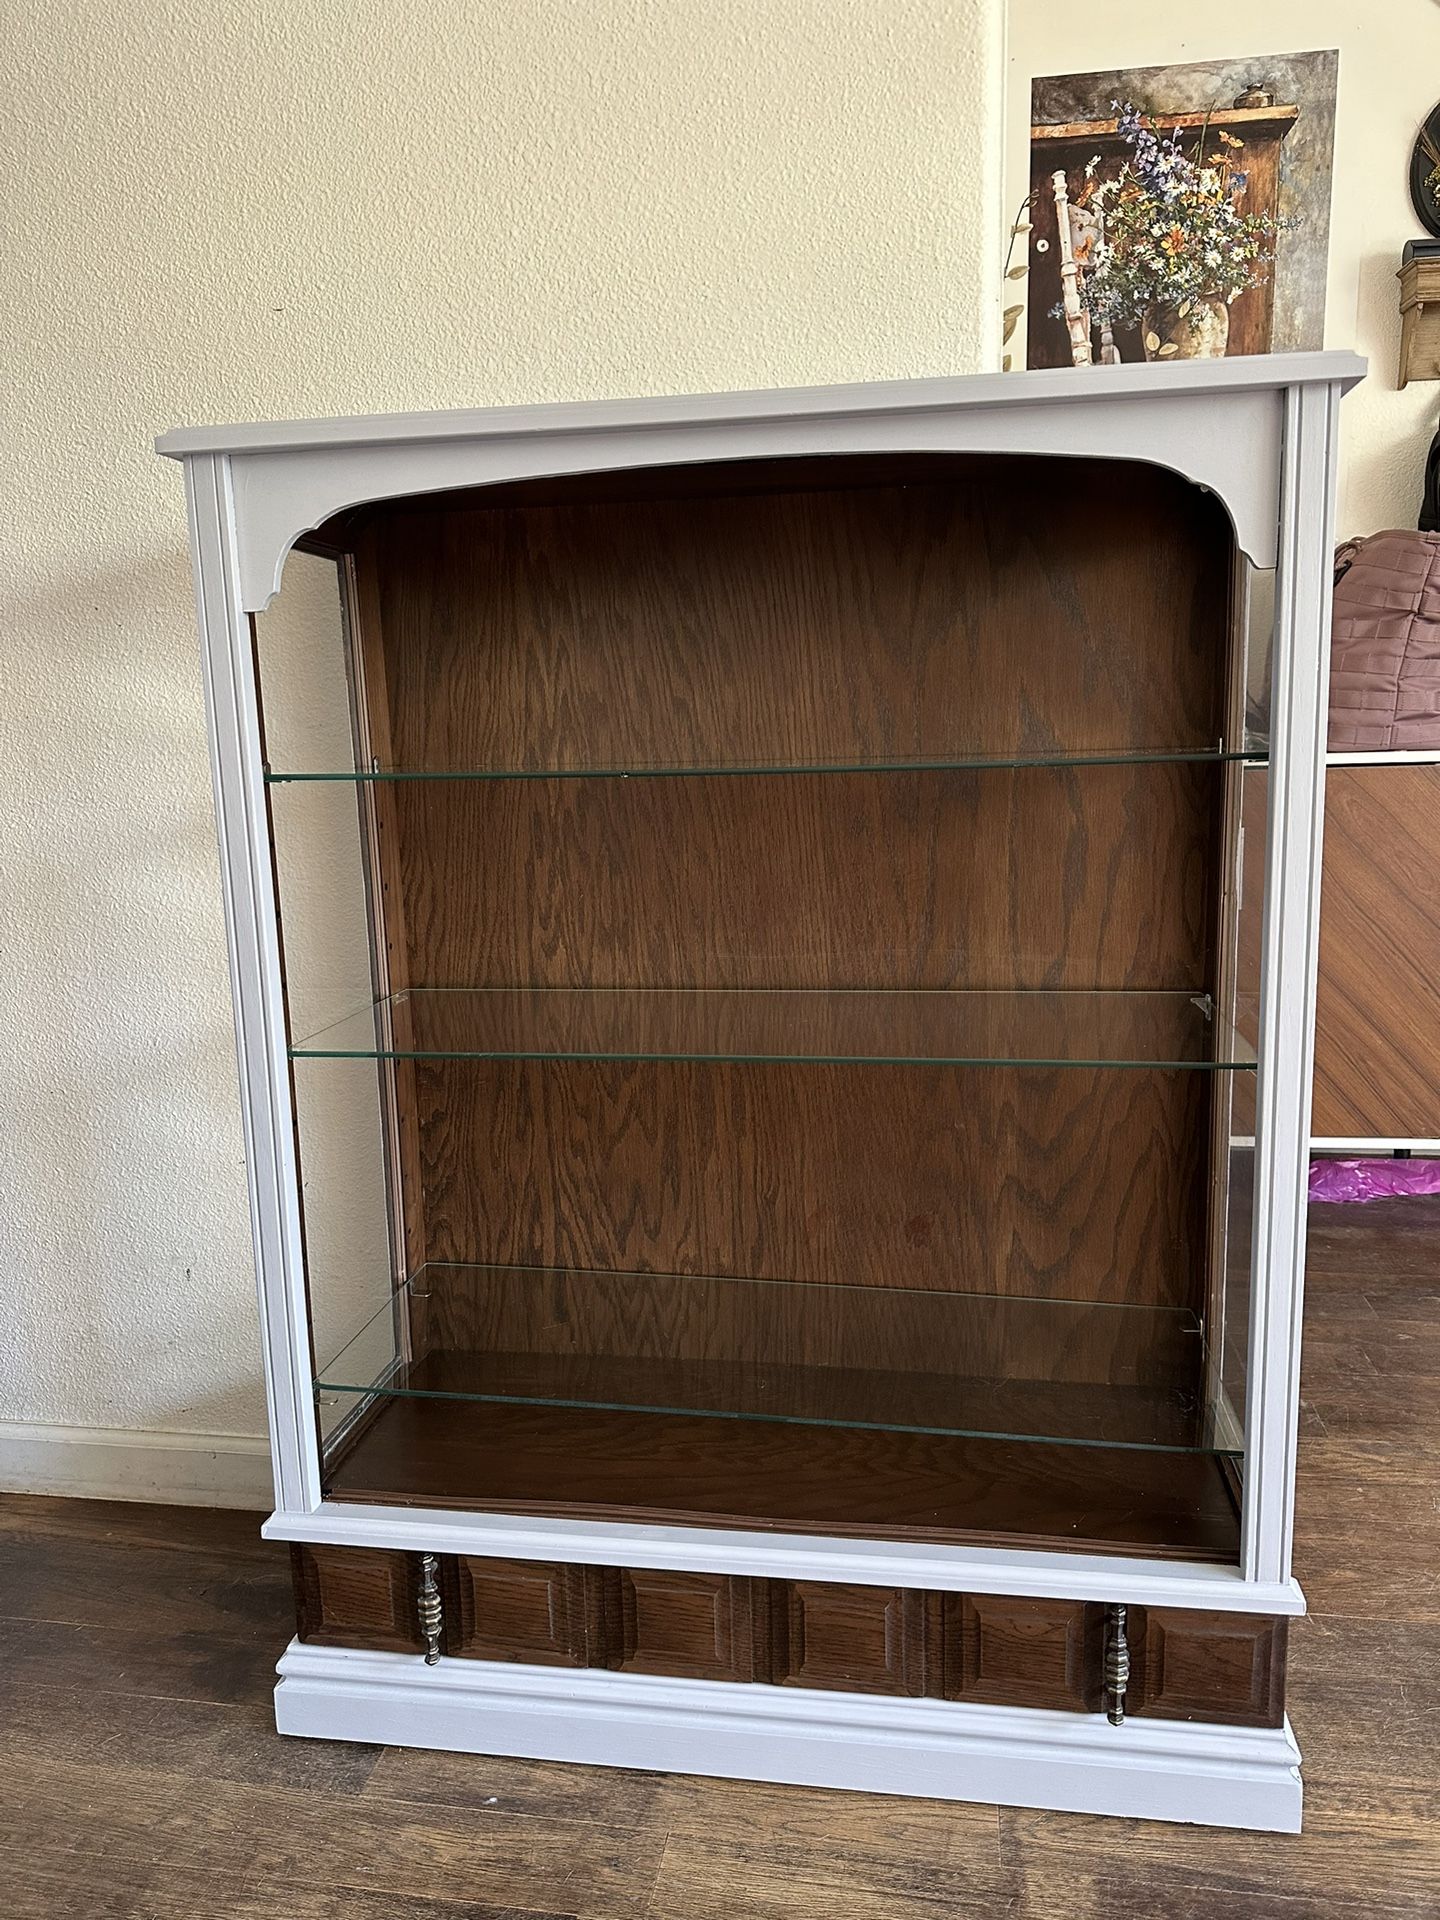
{"x": 832, "y": 614}
{"x": 784, "y": 613}
{"x": 816, "y": 612}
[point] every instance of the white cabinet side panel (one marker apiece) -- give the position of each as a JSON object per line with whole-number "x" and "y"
{"x": 253, "y": 939}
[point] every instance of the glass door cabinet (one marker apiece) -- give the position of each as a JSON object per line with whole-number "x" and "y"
{"x": 777, "y": 1150}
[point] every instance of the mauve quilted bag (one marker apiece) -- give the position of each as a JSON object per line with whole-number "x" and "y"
{"x": 1385, "y": 655}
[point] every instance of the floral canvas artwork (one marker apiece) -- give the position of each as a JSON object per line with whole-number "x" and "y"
{"x": 1176, "y": 212}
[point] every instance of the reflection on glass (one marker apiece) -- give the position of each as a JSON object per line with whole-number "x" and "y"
{"x": 898, "y": 1359}
{"x": 1231, "y": 1311}
{"x": 1258, "y": 631}
{"x": 324, "y": 915}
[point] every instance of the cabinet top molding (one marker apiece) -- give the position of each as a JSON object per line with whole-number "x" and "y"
{"x": 1216, "y": 422}
{"x": 1270, "y": 372}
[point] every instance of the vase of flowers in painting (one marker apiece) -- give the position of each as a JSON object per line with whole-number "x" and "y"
{"x": 1191, "y": 330}
{"x": 1176, "y": 245}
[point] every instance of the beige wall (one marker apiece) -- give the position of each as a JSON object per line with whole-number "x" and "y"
{"x": 1389, "y": 79}
{"x": 260, "y": 210}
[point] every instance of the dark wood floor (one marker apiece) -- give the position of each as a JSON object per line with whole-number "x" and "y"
{"x": 140, "y": 1778}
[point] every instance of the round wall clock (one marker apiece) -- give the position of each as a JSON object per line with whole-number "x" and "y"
{"x": 1425, "y": 174}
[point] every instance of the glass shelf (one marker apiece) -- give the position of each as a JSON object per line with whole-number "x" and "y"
{"x": 1042, "y": 1028}
{"x": 981, "y": 1366}
{"x": 882, "y": 762}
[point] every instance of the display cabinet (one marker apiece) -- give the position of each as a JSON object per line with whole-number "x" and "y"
{"x": 776, "y": 1133}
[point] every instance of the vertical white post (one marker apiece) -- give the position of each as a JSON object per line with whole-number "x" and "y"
{"x": 1075, "y": 316}
{"x": 1299, "y": 704}
{"x": 232, "y": 707}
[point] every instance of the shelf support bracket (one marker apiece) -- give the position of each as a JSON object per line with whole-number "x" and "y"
{"x": 1117, "y": 1665}
{"x": 428, "y": 1607}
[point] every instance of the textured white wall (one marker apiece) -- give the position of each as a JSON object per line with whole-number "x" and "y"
{"x": 1389, "y": 80}
{"x": 259, "y": 210}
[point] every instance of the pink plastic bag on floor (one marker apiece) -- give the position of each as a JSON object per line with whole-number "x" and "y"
{"x": 1363, "y": 1180}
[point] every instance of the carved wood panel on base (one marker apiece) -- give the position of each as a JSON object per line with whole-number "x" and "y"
{"x": 854, "y": 1639}
{"x": 354, "y": 1597}
{"x": 1207, "y": 1666}
{"x": 1023, "y": 1653}
{"x": 528, "y": 1610}
{"x": 986, "y": 1649}
{"x": 696, "y": 1626}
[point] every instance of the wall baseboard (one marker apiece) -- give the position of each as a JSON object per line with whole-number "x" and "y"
{"x": 119, "y": 1463}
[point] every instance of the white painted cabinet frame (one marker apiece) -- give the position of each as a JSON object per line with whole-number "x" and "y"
{"x": 1259, "y": 433}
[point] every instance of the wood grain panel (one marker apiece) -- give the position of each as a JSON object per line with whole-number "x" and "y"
{"x": 832, "y": 1480}
{"x": 977, "y": 604}
{"x": 1377, "y": 1037}
{"x": 1033, "y": 877}
{"x": 353, "y": 1597}
{"x": 855, "y": 1639}
{"x": 1062, "y": 1183}
{"x": 1208, "y": 1666}
{"x": 841, "y": 611}
{"x": 659, "y": 1335}
{"x": 525, "y": 1610}
{"x": 1377, "y": 1015}
{"x": 1023, "y": 1653}
{"x": 697, "y": 1626}
{"x": 865, "y": 1356}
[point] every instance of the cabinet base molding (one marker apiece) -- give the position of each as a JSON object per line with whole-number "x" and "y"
{"x": 1021, "y": 1757}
